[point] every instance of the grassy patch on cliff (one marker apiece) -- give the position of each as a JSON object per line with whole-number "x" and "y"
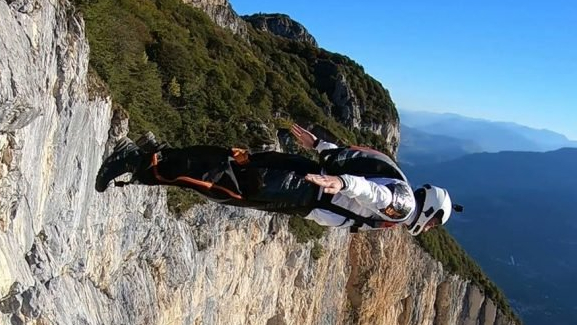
{"x": 305, "y": 230}
{"x": 443, "y": 247}
{"x": 190, "y": 82}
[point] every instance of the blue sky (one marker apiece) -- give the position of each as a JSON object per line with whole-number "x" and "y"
{"x": 500, "y": 60}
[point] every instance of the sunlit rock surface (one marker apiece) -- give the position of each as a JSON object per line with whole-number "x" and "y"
{"x": 70, "y": 255}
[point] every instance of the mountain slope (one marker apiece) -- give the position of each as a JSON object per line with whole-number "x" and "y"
{"x": 490, "y": 136}
{"x": 165, "y": 59}
{"x": 519, "y": 224}
{"x": 69, "y": 255}
{"x": 419, "y": 147}
{"x": 548, "y": 140}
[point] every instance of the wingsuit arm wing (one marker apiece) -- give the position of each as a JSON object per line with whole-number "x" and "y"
{"x": 371, "y": 195}
{"x": 321, "y": 145}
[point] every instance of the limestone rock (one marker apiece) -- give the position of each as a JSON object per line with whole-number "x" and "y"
{"x": 221, "y": 12}
{"x": 281, "y": 25}
{"x": 347, "y": 107}
{"x": 394, "y": 282}
{"x": 70, "y": 255}
{"x": 348, "y": 110}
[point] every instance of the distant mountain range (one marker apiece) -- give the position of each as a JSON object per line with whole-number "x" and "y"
{"x": 519, "y": 224}
{"x": 420, "y": 147}
{"x": 432, "y": 137}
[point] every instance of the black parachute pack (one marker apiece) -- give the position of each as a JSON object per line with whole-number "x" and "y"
{"x": 357, "y": 161}
{"x": 360, "y": 161}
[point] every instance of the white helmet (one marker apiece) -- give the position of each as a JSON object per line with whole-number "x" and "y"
{"x": 432, "y": 202}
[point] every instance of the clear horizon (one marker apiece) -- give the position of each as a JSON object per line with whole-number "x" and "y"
{"x": 400, "y": 109}
{"x": 507, "y": 61}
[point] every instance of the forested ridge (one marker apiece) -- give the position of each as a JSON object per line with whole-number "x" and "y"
{"x": 191, "y": 82}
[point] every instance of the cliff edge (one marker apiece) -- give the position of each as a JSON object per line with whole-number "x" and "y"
{"x": 69, "y": 255}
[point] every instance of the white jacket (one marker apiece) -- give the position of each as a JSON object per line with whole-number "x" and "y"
{"x": 362, "y": 196}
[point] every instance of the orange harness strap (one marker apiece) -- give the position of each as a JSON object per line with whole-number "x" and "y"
{"x": 191, "y": 181}
{"x": 240, "y": 156}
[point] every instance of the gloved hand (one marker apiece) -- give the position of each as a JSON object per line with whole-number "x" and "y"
{"x": 331, "y": 184}
{"x": 304, "y": 137}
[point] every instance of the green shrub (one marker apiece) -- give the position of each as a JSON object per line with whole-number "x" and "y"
{"x": 191, "y": 82}
{"x": 305, "y": 230}
{"x": 179, "y": 200}
{"x": 317, "y": 251}
{"x": 444, "y": 248}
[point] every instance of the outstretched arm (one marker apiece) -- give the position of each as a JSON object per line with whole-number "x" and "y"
{"x": 305, "y": 138}
{"x": 370, "y": 194}
{"x": 331, "y": 184}
{"x": 308, "y": 140}
{"x": 393, "y": 201}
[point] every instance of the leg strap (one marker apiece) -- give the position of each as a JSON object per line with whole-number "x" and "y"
{"x": 190, "y": 181}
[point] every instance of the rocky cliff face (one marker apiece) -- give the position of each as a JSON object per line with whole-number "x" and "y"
{"x": 281, "y": 25}
{"x": 221, "y": 12}
{"x": 394, "y": 282}
{"x": 348, "y": 110}
{"x": 69, "y": 255}
{"x": 347, "y": 107}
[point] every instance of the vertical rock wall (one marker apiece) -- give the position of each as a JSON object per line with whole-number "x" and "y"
{"x": 394, "y": 282}
{"x": 221, "y": 12}
{"x": 69, "y": 255}
{"x": 281, "y": 25}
